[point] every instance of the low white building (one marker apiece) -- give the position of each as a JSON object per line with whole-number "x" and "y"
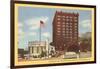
{"x": 36, "y": 48}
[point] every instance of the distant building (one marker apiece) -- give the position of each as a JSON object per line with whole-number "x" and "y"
{"x": 65, "y": 30}
{"x": 85, "y": 41}
{"x": 21, "y": 53}
{"x": 86, "y": 35}
{"x": 36, "y": 48}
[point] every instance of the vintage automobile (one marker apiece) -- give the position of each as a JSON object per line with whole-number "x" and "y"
{"x": 69, "y": 55}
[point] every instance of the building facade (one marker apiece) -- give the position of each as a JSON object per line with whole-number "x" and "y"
{"x": 36, "y": 48}
{"x": 65, "y": 30}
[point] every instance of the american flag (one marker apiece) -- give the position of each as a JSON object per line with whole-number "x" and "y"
{"x": 41, "y": 23}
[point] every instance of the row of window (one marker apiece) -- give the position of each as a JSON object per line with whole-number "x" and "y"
{"x": 63, "y": 22}
{"x": 75, "y": 20}
{"x": 67, "y": 26}
{"x": 65, "y": 34}
{"x": 75, "y": 17}
{"x": 65, "y": 19}
{"x": 69, "y": 35}
{"x": 69, "y": 38}
{"x": 66, "y": 29}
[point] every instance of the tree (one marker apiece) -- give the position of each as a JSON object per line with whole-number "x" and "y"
{"x": 85, "y": 44}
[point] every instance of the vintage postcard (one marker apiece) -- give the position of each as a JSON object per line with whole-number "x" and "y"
{"x": 46, "y": 34}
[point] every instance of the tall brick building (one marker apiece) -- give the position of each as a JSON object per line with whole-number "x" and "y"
{"x": 65, "y": 31}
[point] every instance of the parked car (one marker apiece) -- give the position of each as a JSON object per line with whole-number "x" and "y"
{"x": 68, "y": 55}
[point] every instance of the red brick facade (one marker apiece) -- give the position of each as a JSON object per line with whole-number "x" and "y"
{"x": 65, "y": 30}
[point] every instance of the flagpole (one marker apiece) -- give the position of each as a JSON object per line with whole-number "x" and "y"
{"x": 40, "y": 34}
{"x": 40, "y": 30}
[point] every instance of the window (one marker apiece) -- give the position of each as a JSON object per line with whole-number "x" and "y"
{"x": 63, "y": 31}
{"x": 63, "y": 25}
{"x": 66, "y": 37}
{"x": 58, "y": 22}
{"x": 63, "y": 16}
{"x": 63, "y": 22}
{"x": 76, "y": 24}
{"x": 58, "y": 28}
{"x": 63, "y": 34}
{"x": 75, "y": 17}
{"x": 70, "y": 37}
{"x": 58, "y": 16}
{"x": 67, "y": 23}
{"x": 67, "y": 19}
{"x": 66, "y": 31}
{"x": 75, "y": 20}
{"x": 76, "y": 32}
{"x": 66, "y": 26}
{"x": 70, "y": 29}
{"x": 70, "y": 17}
{"x": 70, "y": 26}
{"x": 63, "y": 28}
{"x": 58, "y": 34}
{"x": 58, "y": 31}
{"x": 66, "y": 16}
{"x": 70, "y": 32}
{"x": 58, "y": 19}
{"x": 58, "y": 25}
{"x": 63, "y": 19}
{"x": 70, "y": 23}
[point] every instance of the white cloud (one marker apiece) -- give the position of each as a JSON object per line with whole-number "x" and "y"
{"x": 34, "y": 23}
{"x": 20, "y": 33}
{"x": 20, "y": 25}
{"x": 20, "y": 30}
{"x": 86, "y": 24}
{"x": 31, "y": 24}
{"x": 46, "y": 34}
{"x": 32, "y": 33}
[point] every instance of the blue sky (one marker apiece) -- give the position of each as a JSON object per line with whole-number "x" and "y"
{"x": 29, "y": 18}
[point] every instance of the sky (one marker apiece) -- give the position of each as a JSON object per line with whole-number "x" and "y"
{"x": 29, "y": 21}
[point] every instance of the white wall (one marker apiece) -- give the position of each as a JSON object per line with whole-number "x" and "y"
{"x": 5, "y": 34}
